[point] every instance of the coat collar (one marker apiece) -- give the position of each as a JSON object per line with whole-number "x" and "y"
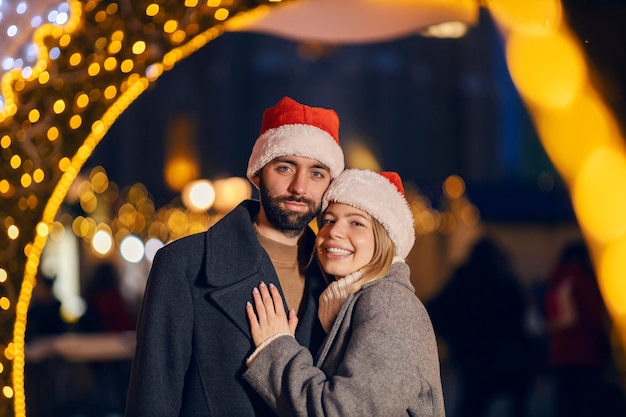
{"x": 233, "y": 251}
{"x": 398, "y": 272}
{"x": 236, "y": 262}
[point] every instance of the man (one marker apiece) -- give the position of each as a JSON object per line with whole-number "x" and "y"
{"x": 193, "y": 335}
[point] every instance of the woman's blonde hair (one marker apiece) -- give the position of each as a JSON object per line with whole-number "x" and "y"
{"x": 378, "y": 266}
{"x": 384, "y": 250}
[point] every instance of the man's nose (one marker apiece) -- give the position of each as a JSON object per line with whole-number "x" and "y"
{"x": 298, "y": 185}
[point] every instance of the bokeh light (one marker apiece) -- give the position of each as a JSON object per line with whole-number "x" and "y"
{"x": 611, "y": 267}
{"x": 547, "y": 70}
{"x": 229, "y": 192}
{"x": 599, "y": 196}
{"x": 132, "y": 249}
{"x": 151, "y": 248}
{"x": 198, "y": 195}
{"x": 102, "y": 242}
{"x": 532, "y": 17}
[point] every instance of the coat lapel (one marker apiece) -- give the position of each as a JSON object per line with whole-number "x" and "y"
{"x": 232, "y": 301}
{"x": 235, "y": 262}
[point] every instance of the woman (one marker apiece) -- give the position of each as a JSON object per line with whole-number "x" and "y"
{"x": 380, "y": 356}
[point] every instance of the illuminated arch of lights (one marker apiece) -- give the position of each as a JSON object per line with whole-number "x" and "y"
{"x": 88, "y": 71}
{"x": 100, "y": 56}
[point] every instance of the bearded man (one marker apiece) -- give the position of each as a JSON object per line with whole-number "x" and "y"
{"x": 192, "y": 335}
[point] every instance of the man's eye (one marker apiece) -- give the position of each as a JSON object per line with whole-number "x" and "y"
{"x": 318, "y": 174}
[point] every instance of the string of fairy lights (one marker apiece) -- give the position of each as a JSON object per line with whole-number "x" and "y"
{"x": 87, "y": 71}
{"x": 18, "y": 22}
{"x": 80, "y": 64}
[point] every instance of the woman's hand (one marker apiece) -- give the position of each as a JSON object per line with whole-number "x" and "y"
{"x": 270, "y": 318}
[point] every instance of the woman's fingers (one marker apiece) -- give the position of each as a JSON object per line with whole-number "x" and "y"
{"x": 272, "y": 300}
{"x": 259, "y": 306}
{"x": 266, "y": 314}
{"x": 267, "y": 299}
{"x": 293, "y": 321}
{"x": 251, "y": 315}
{"x": 279, "y": 307}
{"x": 254, "y": 323}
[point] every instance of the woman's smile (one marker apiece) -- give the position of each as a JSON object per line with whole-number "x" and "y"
{"x": 345, "y": 241}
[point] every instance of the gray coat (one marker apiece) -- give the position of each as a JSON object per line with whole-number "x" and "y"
{"x": 193, "y": 335}
{"x": 379, "y": 359}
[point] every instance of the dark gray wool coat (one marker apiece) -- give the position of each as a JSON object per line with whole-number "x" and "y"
{"x": 379, "y": 359}
{"x": 193, "y": 335}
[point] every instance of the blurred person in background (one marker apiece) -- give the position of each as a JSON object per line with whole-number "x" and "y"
{"x": 44, "y": 311}
{"x": 104, "y": 380}
{"x": 580, "y": 355}
{"x": 106, "y": 308}
{"x": 43, "y": 382}
{"x": 480, "y": 314}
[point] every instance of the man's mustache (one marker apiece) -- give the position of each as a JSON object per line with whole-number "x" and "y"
{"x": 295, "y": 200}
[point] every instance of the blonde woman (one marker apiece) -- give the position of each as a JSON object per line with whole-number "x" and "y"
{"x": 380, "y": 356}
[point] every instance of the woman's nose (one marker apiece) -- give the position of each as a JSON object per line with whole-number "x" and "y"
{"x": 335, "y": 231}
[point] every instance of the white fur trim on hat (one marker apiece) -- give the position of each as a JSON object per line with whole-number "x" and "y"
{"x": 296, "y": 139}
{"x": 374, "y": 194}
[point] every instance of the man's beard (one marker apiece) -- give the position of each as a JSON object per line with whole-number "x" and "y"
{"x": 286, "y": 221}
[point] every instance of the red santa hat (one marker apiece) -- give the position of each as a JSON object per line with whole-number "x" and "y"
{"x": 381, "y": 195}
{"x": 291, "y": 128}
